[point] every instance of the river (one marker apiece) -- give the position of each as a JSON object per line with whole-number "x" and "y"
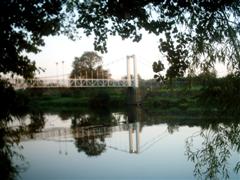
{"x": 129, "y": 144}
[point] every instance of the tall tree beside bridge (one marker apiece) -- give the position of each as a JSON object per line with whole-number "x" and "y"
{"x": 89, "y": 66}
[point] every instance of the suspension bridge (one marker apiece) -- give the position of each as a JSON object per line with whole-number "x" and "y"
{"x": 129, "y": 81}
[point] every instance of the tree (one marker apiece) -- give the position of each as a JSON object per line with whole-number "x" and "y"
{"x": 212, "y": 156}
{"x": 203, "y": 32}
{"x": 23, "y": 23}
{"x": 88, "y": 66}
{"x": 199, "y": 31}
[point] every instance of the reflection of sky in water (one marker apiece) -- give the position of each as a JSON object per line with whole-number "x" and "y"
{"x": 162, "y": 156}
{"x": 51, "y": 121}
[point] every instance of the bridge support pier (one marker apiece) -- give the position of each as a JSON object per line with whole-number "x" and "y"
{"x": 133, "y": 92}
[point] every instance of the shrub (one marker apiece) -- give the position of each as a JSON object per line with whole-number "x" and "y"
{"x": 222, "y": 93}
{"x": 100, "y": 99}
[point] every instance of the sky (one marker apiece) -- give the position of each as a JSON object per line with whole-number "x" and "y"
{"x": 57, "y": 56}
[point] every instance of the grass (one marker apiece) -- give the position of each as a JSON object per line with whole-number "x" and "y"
{"x": 64, "y": 99}
{"x": 156, "y": 100}
{"x": 165, "y": 99}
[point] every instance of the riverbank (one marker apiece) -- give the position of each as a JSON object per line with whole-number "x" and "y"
{"x": 156, "y": 99}
{"x": 64, "y": 99}
{"x": 182, "y": 99}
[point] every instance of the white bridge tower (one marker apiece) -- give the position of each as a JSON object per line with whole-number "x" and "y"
{"x": 133, "y": 90}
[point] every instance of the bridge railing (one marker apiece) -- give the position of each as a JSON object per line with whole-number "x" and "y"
{"x": 68, "y": 83}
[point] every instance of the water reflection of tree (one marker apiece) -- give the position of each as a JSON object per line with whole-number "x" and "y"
{"x": 92, "y": 145}
{"x": 37, "y": 122}
{"x": 211, "y": 159}
{"x": 9, "y": 144}
{"x": 9, "y": 139}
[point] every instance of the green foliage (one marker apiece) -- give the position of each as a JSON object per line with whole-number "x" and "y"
{"x": 222, "y": 93}
{"x": 212, "y": 157}
{"x": 7, "y": 96}
{"x": 99, "y": 100}
{"x": 22, "y": 26}
{"x": 88, "y": 66}
{"x": 11, "y": 102}
{"x": 75, "y": 99}
{"x": 9, "y": 137}
{"x": 205, "y": 77}
{"x": 166, "y": 100}
{"x": 157, "y": 68}
{"x": 192, "y": 32}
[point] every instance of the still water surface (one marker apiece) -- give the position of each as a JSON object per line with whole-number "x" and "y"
{"x": 125, "y": 145}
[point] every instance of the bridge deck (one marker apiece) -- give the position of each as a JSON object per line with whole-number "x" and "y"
{"x": 68, "y": 83}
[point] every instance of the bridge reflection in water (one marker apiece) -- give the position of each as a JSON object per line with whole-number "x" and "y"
{"x": 63, "y": 134}
{"x": 124, "y": 137}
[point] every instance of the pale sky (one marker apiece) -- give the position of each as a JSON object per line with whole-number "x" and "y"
{"x": 60, "y": 48}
